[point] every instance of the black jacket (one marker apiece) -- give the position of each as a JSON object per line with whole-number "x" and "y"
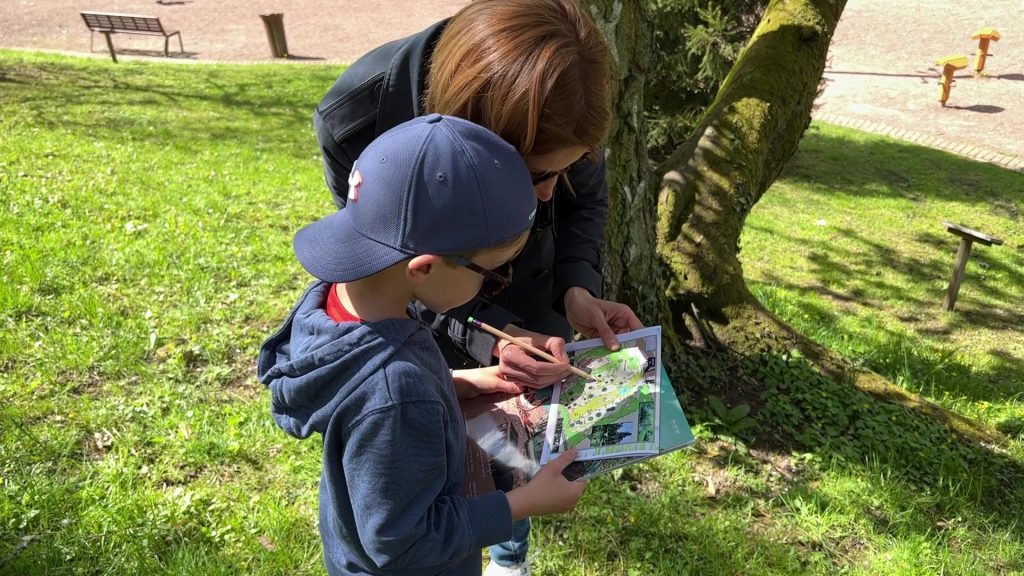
{"x": 385, "y": 88}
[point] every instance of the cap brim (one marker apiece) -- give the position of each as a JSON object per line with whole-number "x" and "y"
{"x": 332, "y": 250}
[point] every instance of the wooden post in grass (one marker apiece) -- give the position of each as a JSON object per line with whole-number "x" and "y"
{"x": 967, "y": 238}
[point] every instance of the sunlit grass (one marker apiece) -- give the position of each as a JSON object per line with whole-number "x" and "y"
{"x": 145, "y": 252}
{"x": 849, "y": 247}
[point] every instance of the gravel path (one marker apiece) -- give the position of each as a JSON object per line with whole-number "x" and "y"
{"x": 881, "y": 75}
{"x": 225, "y": 30}
{"x": 880, "y": 78}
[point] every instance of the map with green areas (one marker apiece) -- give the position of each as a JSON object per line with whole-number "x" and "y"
{"x": 614, "y": 412}
{"x": 616, "y": 391}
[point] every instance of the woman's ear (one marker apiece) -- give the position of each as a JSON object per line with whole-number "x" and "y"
{"x": 421, "y": 267}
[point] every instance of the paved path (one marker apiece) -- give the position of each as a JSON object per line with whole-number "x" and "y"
{"x": 225, "y": 30}
{"x": 880, "y": 78}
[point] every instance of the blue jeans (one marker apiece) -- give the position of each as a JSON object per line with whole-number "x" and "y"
{"x": 513, "y": 551}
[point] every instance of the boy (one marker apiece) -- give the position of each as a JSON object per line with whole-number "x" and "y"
{"x": 433, "y": 205}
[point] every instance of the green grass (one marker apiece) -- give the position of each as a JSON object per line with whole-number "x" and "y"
{"x": 849, "y": 247}
{"x": 145, "y": 253}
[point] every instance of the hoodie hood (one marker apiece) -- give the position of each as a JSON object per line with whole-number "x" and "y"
{"x": 313, "y": 364}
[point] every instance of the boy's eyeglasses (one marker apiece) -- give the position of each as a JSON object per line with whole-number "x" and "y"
{"x": 493, "y": 281}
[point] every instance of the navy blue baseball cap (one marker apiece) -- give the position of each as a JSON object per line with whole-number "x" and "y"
{"x": 433, "y": 185}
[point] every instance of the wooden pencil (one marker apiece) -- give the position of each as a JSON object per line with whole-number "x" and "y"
{"x": 524, "y": 345}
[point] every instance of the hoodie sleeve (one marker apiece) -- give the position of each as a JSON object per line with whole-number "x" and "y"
{"x": 396, "y": 468}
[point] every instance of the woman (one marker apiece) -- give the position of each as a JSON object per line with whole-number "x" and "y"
{"x": 535, "y": 72}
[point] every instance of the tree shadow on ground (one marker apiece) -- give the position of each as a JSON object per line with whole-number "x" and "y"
{"x": 926, "y": 76}
{"x": 694, "y": 534}
{"x": 887, "y": 168}
{"x": 901, "y": 355}
{"x": 157, "y": 108}
{"x": 799, "y": 410}
{"x": 860, "y": 271}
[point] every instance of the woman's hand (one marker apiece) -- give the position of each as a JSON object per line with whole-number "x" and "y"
{"x": 475, "y": 382}
{"x": 594, "y": 317}
{"x": 518, "y": 366}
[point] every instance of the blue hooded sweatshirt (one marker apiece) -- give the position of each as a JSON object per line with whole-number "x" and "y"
{"x": 394, "y": 443}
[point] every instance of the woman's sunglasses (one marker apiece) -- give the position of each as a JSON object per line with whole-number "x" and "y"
{"x": 494, "y": 281}
{"x": 539, "y": 177}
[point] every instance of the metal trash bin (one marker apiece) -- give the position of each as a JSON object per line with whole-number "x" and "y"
{"x": 274, "y": 25}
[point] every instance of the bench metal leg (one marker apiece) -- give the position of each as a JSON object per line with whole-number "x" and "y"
{"x": 167, "y": 41}
{"x": 110, "y": 45}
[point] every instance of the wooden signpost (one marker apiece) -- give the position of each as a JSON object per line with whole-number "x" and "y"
{"x": 967, "y": 238}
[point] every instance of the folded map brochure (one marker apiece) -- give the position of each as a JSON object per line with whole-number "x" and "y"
{"x": 614, "y": 412}
{"x": 625, "y": 413}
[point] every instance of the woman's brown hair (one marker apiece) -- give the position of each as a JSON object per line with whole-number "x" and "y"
{"x": 533, "y": 71}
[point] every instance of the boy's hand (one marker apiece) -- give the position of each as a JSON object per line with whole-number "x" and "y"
{"x": 518, "y": 366}
{"x": 474, "y": 382}
{"x": 549, "y": 492}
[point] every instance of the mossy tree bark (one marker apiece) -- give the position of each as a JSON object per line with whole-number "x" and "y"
{"x": 674, "y": 230}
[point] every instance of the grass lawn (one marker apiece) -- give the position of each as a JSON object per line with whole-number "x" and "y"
{"x": 145, "y": 252}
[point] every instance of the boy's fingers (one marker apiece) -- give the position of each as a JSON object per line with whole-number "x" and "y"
{"x": 565, "y": 459}
{"x": 508, "y": 387}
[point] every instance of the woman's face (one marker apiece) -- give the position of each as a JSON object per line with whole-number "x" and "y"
{"x": 545, "y": 168}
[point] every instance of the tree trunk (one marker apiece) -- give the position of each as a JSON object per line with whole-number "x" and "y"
{"x": 738, "y": 150}
{"x": 683, "y": 270}
{"x": 631, "y": 263}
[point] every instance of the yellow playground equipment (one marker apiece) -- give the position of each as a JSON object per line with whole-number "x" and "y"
{"x": 950, "y": 64}
{"x": 983, "y": 36}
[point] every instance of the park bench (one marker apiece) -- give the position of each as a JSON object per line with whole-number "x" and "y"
{"x": 109, "y": 23}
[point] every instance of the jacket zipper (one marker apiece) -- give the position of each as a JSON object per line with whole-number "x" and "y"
{"x": 350, "y": 94}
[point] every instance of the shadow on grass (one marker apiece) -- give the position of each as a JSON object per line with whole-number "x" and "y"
{"x": 850, "y": 274}
{"x": 188, "y": 107}
{"x": 658, "y": 529}
{"x": 861, "y": 273}
{"x": 798, "y": 409}
{"x": 886, "y": 168}
{"x": 902, "y": 356}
